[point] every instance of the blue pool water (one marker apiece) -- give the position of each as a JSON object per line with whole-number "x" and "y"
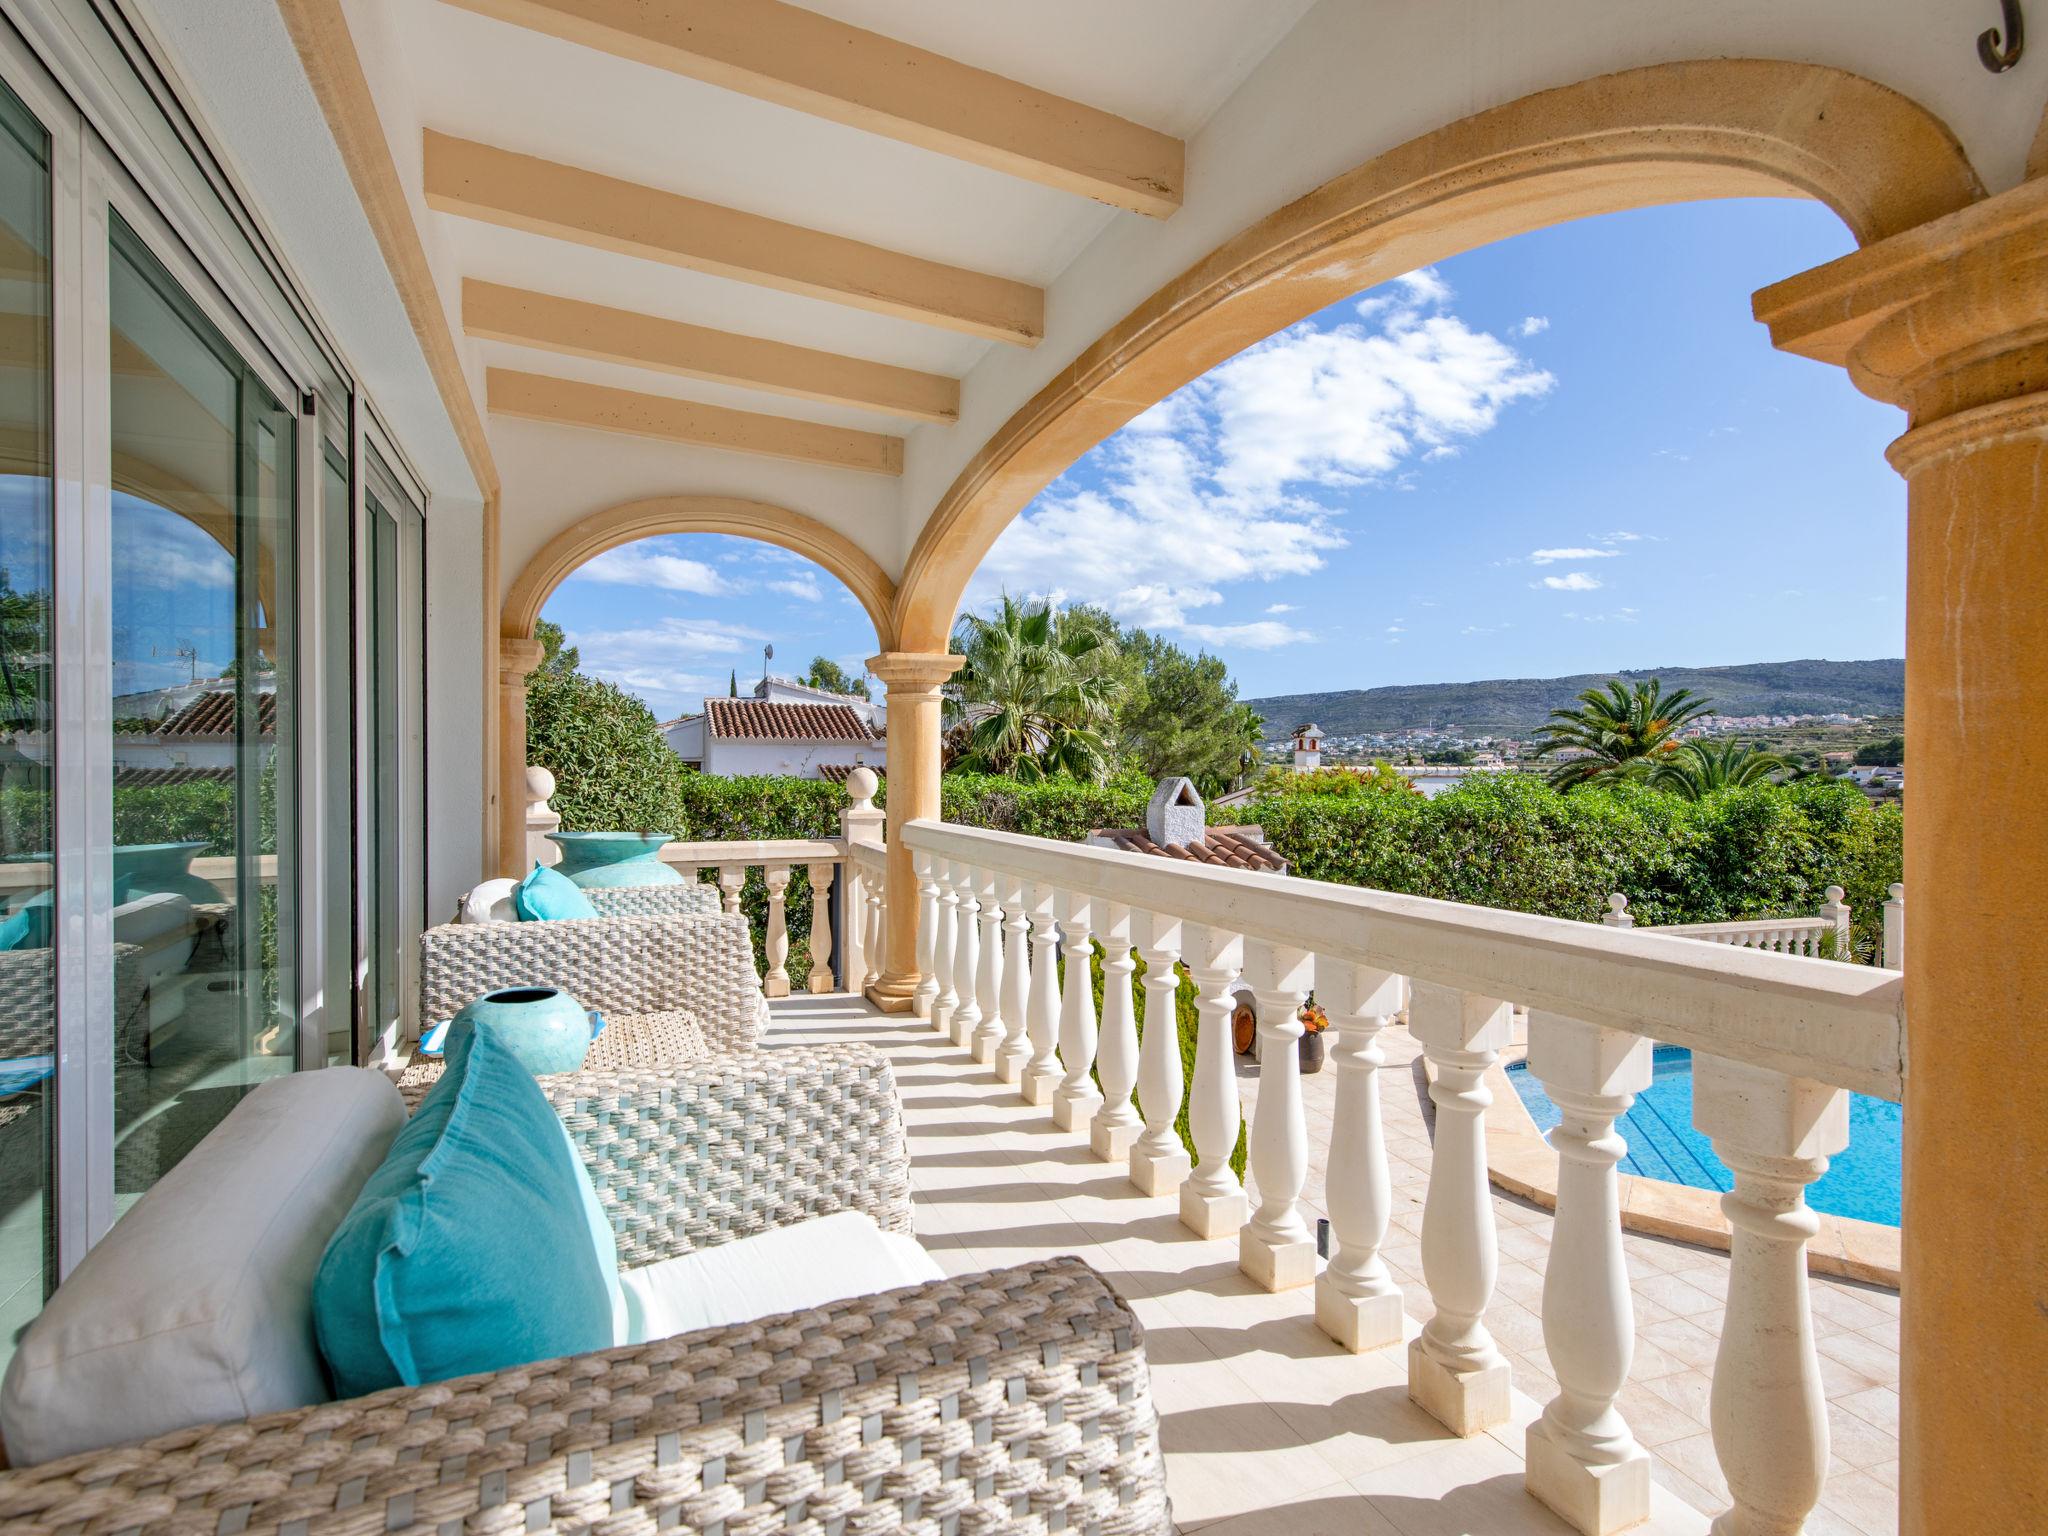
{"x": 1862, "y": 1182}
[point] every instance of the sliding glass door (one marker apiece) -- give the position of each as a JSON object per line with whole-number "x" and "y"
{"x": 28, "y": 928}
{"x": 393, "y": 715}
{"x": 203, "y": 541}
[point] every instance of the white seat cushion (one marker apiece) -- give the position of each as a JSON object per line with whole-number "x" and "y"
{"x": 197, "y": 1306}
{"x": 830, "y": 1259}
{"x": 490, "y": 902}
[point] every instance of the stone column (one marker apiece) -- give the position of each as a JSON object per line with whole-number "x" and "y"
{"x": 516, "y": 658}
{"x": 913, "y": 679}
{"x": 1950, "y": 321}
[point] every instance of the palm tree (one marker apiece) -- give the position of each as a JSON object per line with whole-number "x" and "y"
{"x": 1034, "y": 699}
{"x": 1621, "y": 728}
{"x": 1696, "y": 770}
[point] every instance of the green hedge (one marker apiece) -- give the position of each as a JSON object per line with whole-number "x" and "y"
{"x": 1510, "y": 840}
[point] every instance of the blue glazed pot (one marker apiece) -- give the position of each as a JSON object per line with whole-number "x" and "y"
{"x": 614, "y": 858}
{"x": 546, "y": 1028}
{"x": 149, "y": 869}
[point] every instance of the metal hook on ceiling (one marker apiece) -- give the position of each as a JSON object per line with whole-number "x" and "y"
{"x": 2001, "y": 53}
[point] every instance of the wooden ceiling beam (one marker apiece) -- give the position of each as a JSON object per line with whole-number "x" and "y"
{"x": 816, "y": 64}
{"x": 515, "y": 191}
{"x": 574, "y": 328}
{"x": 572, "y": 403}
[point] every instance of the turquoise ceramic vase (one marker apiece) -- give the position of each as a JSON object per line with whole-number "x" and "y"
{"x": 614, "y": 858}
{"x": 546, "y": 1028}
{"x": 148, "y": 869}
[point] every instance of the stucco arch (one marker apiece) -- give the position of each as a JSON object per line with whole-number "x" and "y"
{"x": 590, "y": 537}
{"x": 1666, "y": 133}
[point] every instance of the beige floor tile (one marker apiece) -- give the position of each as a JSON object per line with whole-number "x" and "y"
{"x": 1876, "y": 1406}
{"x": 1694, "y": 1457}
{"x": 1337, "y": 1510}
{"x": 1866, "y": 1356}
{"x": 1863, "y": 1501}
{"x": 1678, "y": 1295}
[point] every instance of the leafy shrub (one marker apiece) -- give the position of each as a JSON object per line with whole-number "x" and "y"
{"x": 1064, "y": 809}
{"x": 613, "y": 772}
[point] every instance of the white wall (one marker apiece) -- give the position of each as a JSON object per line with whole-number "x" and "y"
{"x": 459, "y": 780}
{"x": 800, "y": 759}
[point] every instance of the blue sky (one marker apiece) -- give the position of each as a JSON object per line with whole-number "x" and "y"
{"x": 1568, "y": 452}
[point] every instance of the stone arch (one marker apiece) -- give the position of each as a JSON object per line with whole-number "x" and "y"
{"x": 1666, "y": 133}
{"x": 590, "y": 537}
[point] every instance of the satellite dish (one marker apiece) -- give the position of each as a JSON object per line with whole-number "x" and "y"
{"x": 768, "y": 651}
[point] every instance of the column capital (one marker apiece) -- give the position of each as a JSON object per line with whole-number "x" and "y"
{"x": 1948, "y": 320}
{"x": 517, "y": 656}
{"x": 915, "y": 671}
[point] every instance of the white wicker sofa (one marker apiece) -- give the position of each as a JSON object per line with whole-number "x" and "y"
{"x": 1015, "y": 1400}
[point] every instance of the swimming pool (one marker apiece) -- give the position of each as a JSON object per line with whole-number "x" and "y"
{"x": 1862, "y": 1182}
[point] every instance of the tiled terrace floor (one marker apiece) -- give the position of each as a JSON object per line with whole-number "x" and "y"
{"x": 1267, "y": 1425}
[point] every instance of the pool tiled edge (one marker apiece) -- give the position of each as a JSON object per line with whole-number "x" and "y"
{"x": 1519, "y": 1161}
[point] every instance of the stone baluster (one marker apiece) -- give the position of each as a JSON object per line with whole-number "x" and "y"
{"x": 1212, "y": 1201}
{"x": 1895, "y": 929}
{"x": 821, "y": 979}
{"x": 1616, "y": 915}
{"x": 1835, "y": 910}
{"x": 776, "y": 982}
{"x": 1357, "y": 1302}
{"x": 732, "y": 879}
{"x": 1275, "y": 1248}
{"x": 1581, "y": 1459}
{"x": 966, "y": 953}
{"x": 1116, "y": 1125}
{"x": 1015, "y": 1051}
{"x": 859, "y": 823}
{"x": 1159, "y": 1163}
{"x": 871, "y": 918}
{"x": 943, "y": 946}
{"x": 1768, "y": 1411}
{"x": 988, "y": 976}
{"x": 1456, "y": 1373}
{"x": 1078, "y": 1097}
{"x": 1042, "y": 1075}
{"x": 926, "y": 993}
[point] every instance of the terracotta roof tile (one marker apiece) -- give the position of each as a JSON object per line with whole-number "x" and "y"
{"x": 760, "y": 720}
{"x": 212, "y": 715}
{"x": 1230, "y": 847}
{"x": 837, "y": 772}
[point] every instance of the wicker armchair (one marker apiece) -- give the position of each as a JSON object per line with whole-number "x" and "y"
{"x": 673, "y": 989}
{"x": 655, "y": 900}
{"x": 1016, "y": 1400}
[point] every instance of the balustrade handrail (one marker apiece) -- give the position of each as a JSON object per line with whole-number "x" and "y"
{"x": 1745, "y": 925}
{"x": 772, "y": 850}
{"x": 1841, "y": 1025}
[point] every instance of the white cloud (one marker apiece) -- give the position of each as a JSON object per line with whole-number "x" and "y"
{"x": 655, "y": 660}
{"x": 1220, "y": 483}
{"x": 1397, "y": 629}
{"x": 635, "y": 565}
{"x": 1553, "y": 556}
{"x": 804, "y": 587}
{"x": 1624, "y": 537}
{"x": 1533, "y": 325}
{"x": 1572, "y": 581}
{"x": 1617, "y": 616}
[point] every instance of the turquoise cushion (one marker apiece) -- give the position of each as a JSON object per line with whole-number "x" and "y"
{"x": 544, "y": 895}
{"x": 470, "y": 1248}
{"x": 16, "y": 929}
{"x": 603, "y": 1241}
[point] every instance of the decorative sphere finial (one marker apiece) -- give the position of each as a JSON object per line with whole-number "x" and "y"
{"x": 540, "y": 784}
{"x": 861, "y": 785}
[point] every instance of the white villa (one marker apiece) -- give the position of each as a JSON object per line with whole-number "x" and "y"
{"x": 784, "y": 728}
{"x": 358, "y": 325}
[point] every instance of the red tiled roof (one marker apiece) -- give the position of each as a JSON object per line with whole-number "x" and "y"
{"x": 1231, "y": 847}
{"x": 837, "y": 772}
{"x": 212, "y": 715}
{"x": 152, "y": 778}
{"x": 760, "y": 720}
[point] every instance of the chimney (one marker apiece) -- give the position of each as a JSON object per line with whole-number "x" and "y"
{"x": 1175, "y": 816}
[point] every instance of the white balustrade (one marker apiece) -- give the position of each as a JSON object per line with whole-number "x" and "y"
{"x": 988, "y": 974}
{"x": 732, "y": 879}
{"x": 877, "y": 930}
{"x": 943, "y": 947}
{"x": 1456, "y": 1373}
{"x": 1116, "y": 1124}
{"x": 1159, "y": 1163}
{"x": 1078, "y": 1098}
{"x": 1895, "y": 929}
{"x": 926, "y": 995}
{"x": 966, "y": 954}
{"x": 1357, "y": 1301}
{"x": 1275, "y": 1247}
{"x": 1780, "y": 935}
{"x": 1777, "y": 1040}
{"x": 1582, "y": 1460}
{"x": 1042, "y": 1074}
{"x": 1212, "y": 1202}
{"x": 776, "y": 982}
{"x": 820, "y": 977}
{"x": 1015, "y": 1051}
{"x": 1768, "y": 1410}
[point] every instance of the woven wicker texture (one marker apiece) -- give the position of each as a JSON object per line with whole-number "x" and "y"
{"x": 694, "y": 1156}
{"x": 28, "y": 1001}
{"x": 702, "y": 965}
{"x": 634, "y": 1042}
{"x": 1016, "y": 1400}
{"x": 655, "y": 900}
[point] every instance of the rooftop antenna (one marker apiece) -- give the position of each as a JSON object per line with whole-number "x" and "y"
{"x": 186, "y": 653}
{"x": 767, "y": 655}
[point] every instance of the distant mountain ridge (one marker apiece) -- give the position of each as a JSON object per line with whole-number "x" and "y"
{"x": 1517, "y": 705}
